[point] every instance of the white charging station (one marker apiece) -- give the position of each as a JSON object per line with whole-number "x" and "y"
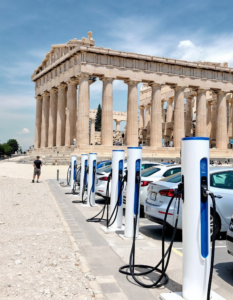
{"x": 195, "y": 221}
{"x": 84, "y": 170}
{"x": 73, "y": 166}
{"x": 92, "y": 167}
{"x": 134, "y": 161}
{"x": 117, "y": 171}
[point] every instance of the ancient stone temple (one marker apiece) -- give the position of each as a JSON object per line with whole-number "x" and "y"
{"x": 198, "y": 98}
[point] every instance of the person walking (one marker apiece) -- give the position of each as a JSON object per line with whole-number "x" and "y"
{"x": 37, "y": 165}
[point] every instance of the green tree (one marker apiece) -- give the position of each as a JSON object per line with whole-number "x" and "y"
{"x": 7, "y": 149}
{"x": 14, "y": 145}
{"x": 1, "y": 150}
{"x": 98, "y": 118}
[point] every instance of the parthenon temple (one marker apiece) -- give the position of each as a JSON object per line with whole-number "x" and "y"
{"x": 177, "y": 99}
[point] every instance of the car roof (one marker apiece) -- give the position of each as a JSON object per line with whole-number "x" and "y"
{"x": 220, "y": 169}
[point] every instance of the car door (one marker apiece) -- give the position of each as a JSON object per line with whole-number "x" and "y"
{"x": 221, "y": 184}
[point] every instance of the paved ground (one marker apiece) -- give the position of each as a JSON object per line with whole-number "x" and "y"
{"x": 47, "y": 249}
{"x": 105, "y": 253}
{"x": 39, "y": 258}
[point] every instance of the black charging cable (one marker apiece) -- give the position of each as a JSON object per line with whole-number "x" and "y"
{"x": 97, "y": 219}
{"x": 109, "y": 220}
{"x": 76, "y": 180}
{"x": 84, "y": 186}
{"x": 206, "y": 193}
{"x": 163, "y": 278}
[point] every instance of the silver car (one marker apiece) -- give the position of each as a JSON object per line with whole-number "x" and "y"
{"x": 221, "y": 184}
{"x": 229, "y": 240}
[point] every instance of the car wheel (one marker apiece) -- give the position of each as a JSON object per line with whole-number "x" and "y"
{"x": 217, "y": 226}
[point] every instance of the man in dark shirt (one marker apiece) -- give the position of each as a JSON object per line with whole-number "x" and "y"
{"x": 37, "y": 164}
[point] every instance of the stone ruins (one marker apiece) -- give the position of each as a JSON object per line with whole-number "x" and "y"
{"x": 198, "y": 98}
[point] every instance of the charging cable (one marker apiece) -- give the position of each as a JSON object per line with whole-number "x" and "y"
{"x": 163, "y": 278}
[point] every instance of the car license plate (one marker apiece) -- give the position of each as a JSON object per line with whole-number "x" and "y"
{"x": 231, "y": 227}
{"x": 153, "y": 196}
{"x": 148, "y": 208}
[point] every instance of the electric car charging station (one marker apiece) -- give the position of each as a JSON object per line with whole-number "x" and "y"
{"x": 92, "y": 164}
{"x": 116, "y": 207}
{"x": 73, "y": 166}
{"x": 192, "y": 193}
{"x": 84, "y": 170}
{"x": 196, "y": 222}
{"x": 134, "y": 160}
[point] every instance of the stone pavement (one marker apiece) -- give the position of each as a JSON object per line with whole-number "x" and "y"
{"x": 105, "y": 253}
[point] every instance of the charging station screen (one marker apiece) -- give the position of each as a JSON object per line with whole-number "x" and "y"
{"x": 74, "y": 169}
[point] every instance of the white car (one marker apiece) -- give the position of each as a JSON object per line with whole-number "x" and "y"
{"x": 229, "y": 240}
{"x": 102, "y": 177}
{"x": 160, "y": 193}
{"x": 150, "y": 175}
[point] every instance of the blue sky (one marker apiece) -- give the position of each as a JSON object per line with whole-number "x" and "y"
{"x": 197, "y": 30}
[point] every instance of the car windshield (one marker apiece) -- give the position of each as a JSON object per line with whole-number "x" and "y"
{"x": 105, "y": 169}
{"x": 150, "y": 171}
{"x": 175, "y": 178}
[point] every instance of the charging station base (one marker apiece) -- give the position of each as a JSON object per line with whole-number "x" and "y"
{"x": 125, "y": 238}
{"x": 111, "y": 229}
{"x": 178, "y": 296}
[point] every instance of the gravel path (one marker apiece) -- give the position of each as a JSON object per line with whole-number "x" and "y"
{"x": 37, "y": 257}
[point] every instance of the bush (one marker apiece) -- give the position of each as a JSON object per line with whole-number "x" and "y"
{"x": 14, "y": 145}
{"x": 1, "y": 150}
{"x": 7, "y": 149}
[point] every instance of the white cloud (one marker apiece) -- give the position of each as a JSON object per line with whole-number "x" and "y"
{"x": 24, "y": 131}
{"x": 219, "y": 50}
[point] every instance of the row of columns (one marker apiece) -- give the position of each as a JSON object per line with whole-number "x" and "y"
{"x": 209, "y": 122}
{"x": 56, "y": 115}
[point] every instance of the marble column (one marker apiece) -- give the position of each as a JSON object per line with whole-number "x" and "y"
{"x": 162, "y": 111}
{"x": 141, "y": 117}
{"x": 208, "y": 122}
{"x": 118, "y": 123}
{"x": 132, "y": 114}
{"x": 147, "y": 117}
{"x": 156, "y": 125}
{"x": 71, "y": 112}
{"x": 61, "y": 115}
{"x": 201, "y": 121}
{"x": 37, "y": 141}
{"x": 92, "y": 136}
{"x": 169, "y": 110}
{"x": 52, "y": 118}
{"x": 45, "y": 120}
{"x": 229, "y": 119}
{"x": 221, "y": 128}
{"x": 107, "y": 112}
{"x": 83, "y": 110}
{"x": 178, "y": 129}
{"x": 213, "y": 121}
{"x": 189, "y": 117}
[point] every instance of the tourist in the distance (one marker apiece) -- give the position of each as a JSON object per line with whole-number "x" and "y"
{"x": 37, "y": 169}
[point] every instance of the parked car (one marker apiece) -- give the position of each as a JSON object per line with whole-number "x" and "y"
{"x": 159, "y": 194}
{"x": 103, "y": 163}
{"x": 102, "y": 177}
{"x": 229, "y": 240}
{"x": 150, "y": 175}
